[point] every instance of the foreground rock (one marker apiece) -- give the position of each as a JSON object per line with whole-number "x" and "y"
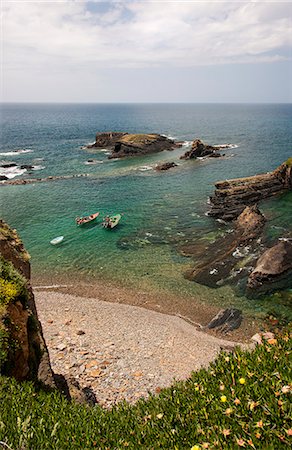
{"x": 165, "y": 166}
{"x": 200, "y": 150}
{"x": 226, "y": 320}
{"x": 125, "y": 144}
{"x": 232, "y": 196}
{"x": 273, "y": 270}
{"x": 23, "y": 351}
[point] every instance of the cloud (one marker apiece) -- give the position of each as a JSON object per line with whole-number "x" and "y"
{"x": 74, "y": 35}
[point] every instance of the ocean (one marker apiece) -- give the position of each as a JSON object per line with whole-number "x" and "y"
{"x": 161, "y": 211}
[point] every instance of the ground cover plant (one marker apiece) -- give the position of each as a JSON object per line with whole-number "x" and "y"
{"x": 240, "y": 401}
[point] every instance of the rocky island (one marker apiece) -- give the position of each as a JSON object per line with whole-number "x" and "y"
{"x": 126, "y": 144}
{"x": 201, "y": 150}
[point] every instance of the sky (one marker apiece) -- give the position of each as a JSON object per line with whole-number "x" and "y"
{"x": 146, "y": 51}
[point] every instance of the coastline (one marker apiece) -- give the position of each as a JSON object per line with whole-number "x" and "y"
{"x": 186, "y": 307}
{"x": 118, "y": 351}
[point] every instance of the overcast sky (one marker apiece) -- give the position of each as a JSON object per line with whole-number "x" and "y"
{"x": 146, "y": 51}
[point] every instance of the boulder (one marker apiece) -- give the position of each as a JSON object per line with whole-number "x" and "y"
{"x": 226, "y": 320}
{"x": 165, "y": 166}
{"x": 273, "y": 270}
{"x": 249, "y": 224}
{"x": 199, "y": 150}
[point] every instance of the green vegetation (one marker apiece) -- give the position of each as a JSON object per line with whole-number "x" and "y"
{"x": 7, "y": 234}
{"x": 289, "y": 162}
{"x": 138, "y": 138}
{"x": 12, "y": 289}
{"x": 241, "y": 401}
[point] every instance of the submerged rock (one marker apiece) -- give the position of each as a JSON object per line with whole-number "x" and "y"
{"x": 199, "y": 150}
{"x": 165, "y": 166}
{"x": 126, "y": 144}
{"x": 273, "y": 270}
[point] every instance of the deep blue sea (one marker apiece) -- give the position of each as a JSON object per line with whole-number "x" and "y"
{"x": 161, "y": 211}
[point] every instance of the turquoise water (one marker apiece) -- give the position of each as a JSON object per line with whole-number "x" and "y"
{"x": 161, "y": 211}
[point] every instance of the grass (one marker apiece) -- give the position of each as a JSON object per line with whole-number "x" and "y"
{"x": 138, "y": 138}
{"x": 241, "y": 401}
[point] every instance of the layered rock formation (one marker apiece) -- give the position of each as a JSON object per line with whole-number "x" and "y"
{"x": 23, "y": 352}
{"x": 273, "y": 270}
{"x": 125, "y": 144}
{"x": 229, "y": 258}
{"x": 199, "y": 150}
{"x": 232, "y": 196}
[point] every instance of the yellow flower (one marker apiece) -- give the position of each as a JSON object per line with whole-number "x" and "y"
{"x": 242, "y": 380}
{"x": 227, "y": 358}
{"x": 272, "y": 341}
{"x": 223, "y": 398}
{"x": 253, "y": 405}
{"x": 260, "y": 424}
{"x": 258, "y": 435}
{"x": 195, "y": 447}
{"x": 197, "y": 389}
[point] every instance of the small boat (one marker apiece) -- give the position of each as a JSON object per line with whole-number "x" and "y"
{"x": 86, "y": 219}
{"x": 57, "y": 240}
{"x": 111, "y": 221}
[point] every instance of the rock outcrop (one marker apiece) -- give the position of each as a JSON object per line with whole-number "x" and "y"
{"x": 41, "y": 180}
{"x": 106, "y": 140}
{"x": 232, "y": 196}
{"x": 125, "y": 144}
{"x": 166, "y": 166}
{"x": 273, "y": 270}
{"x": 200, "y": 150}
{"x": 229, "y": 258}
{"x": 23, "y": 351}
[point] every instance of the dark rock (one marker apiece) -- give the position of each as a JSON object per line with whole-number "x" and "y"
{"x": 8, "y": 165}
{"x": 165, "y": 166}
{"x": 226, "y": 320}
{"x": 217, "y": 261}
{"x": 125, "y": 144}
{"x": 106, "y": 140}
{"x": 141, "y": 144}
{"x": 273, "y": 270}
{"x": 232, "y": 196}
{"x": 26, "y": 166}
{"x": 3, "y": 178}
{"x": 199, "y": 150}
{"x": 249, "y": 224}
{"x": 72, "y": 390}
{"x": 42, "y": 180}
